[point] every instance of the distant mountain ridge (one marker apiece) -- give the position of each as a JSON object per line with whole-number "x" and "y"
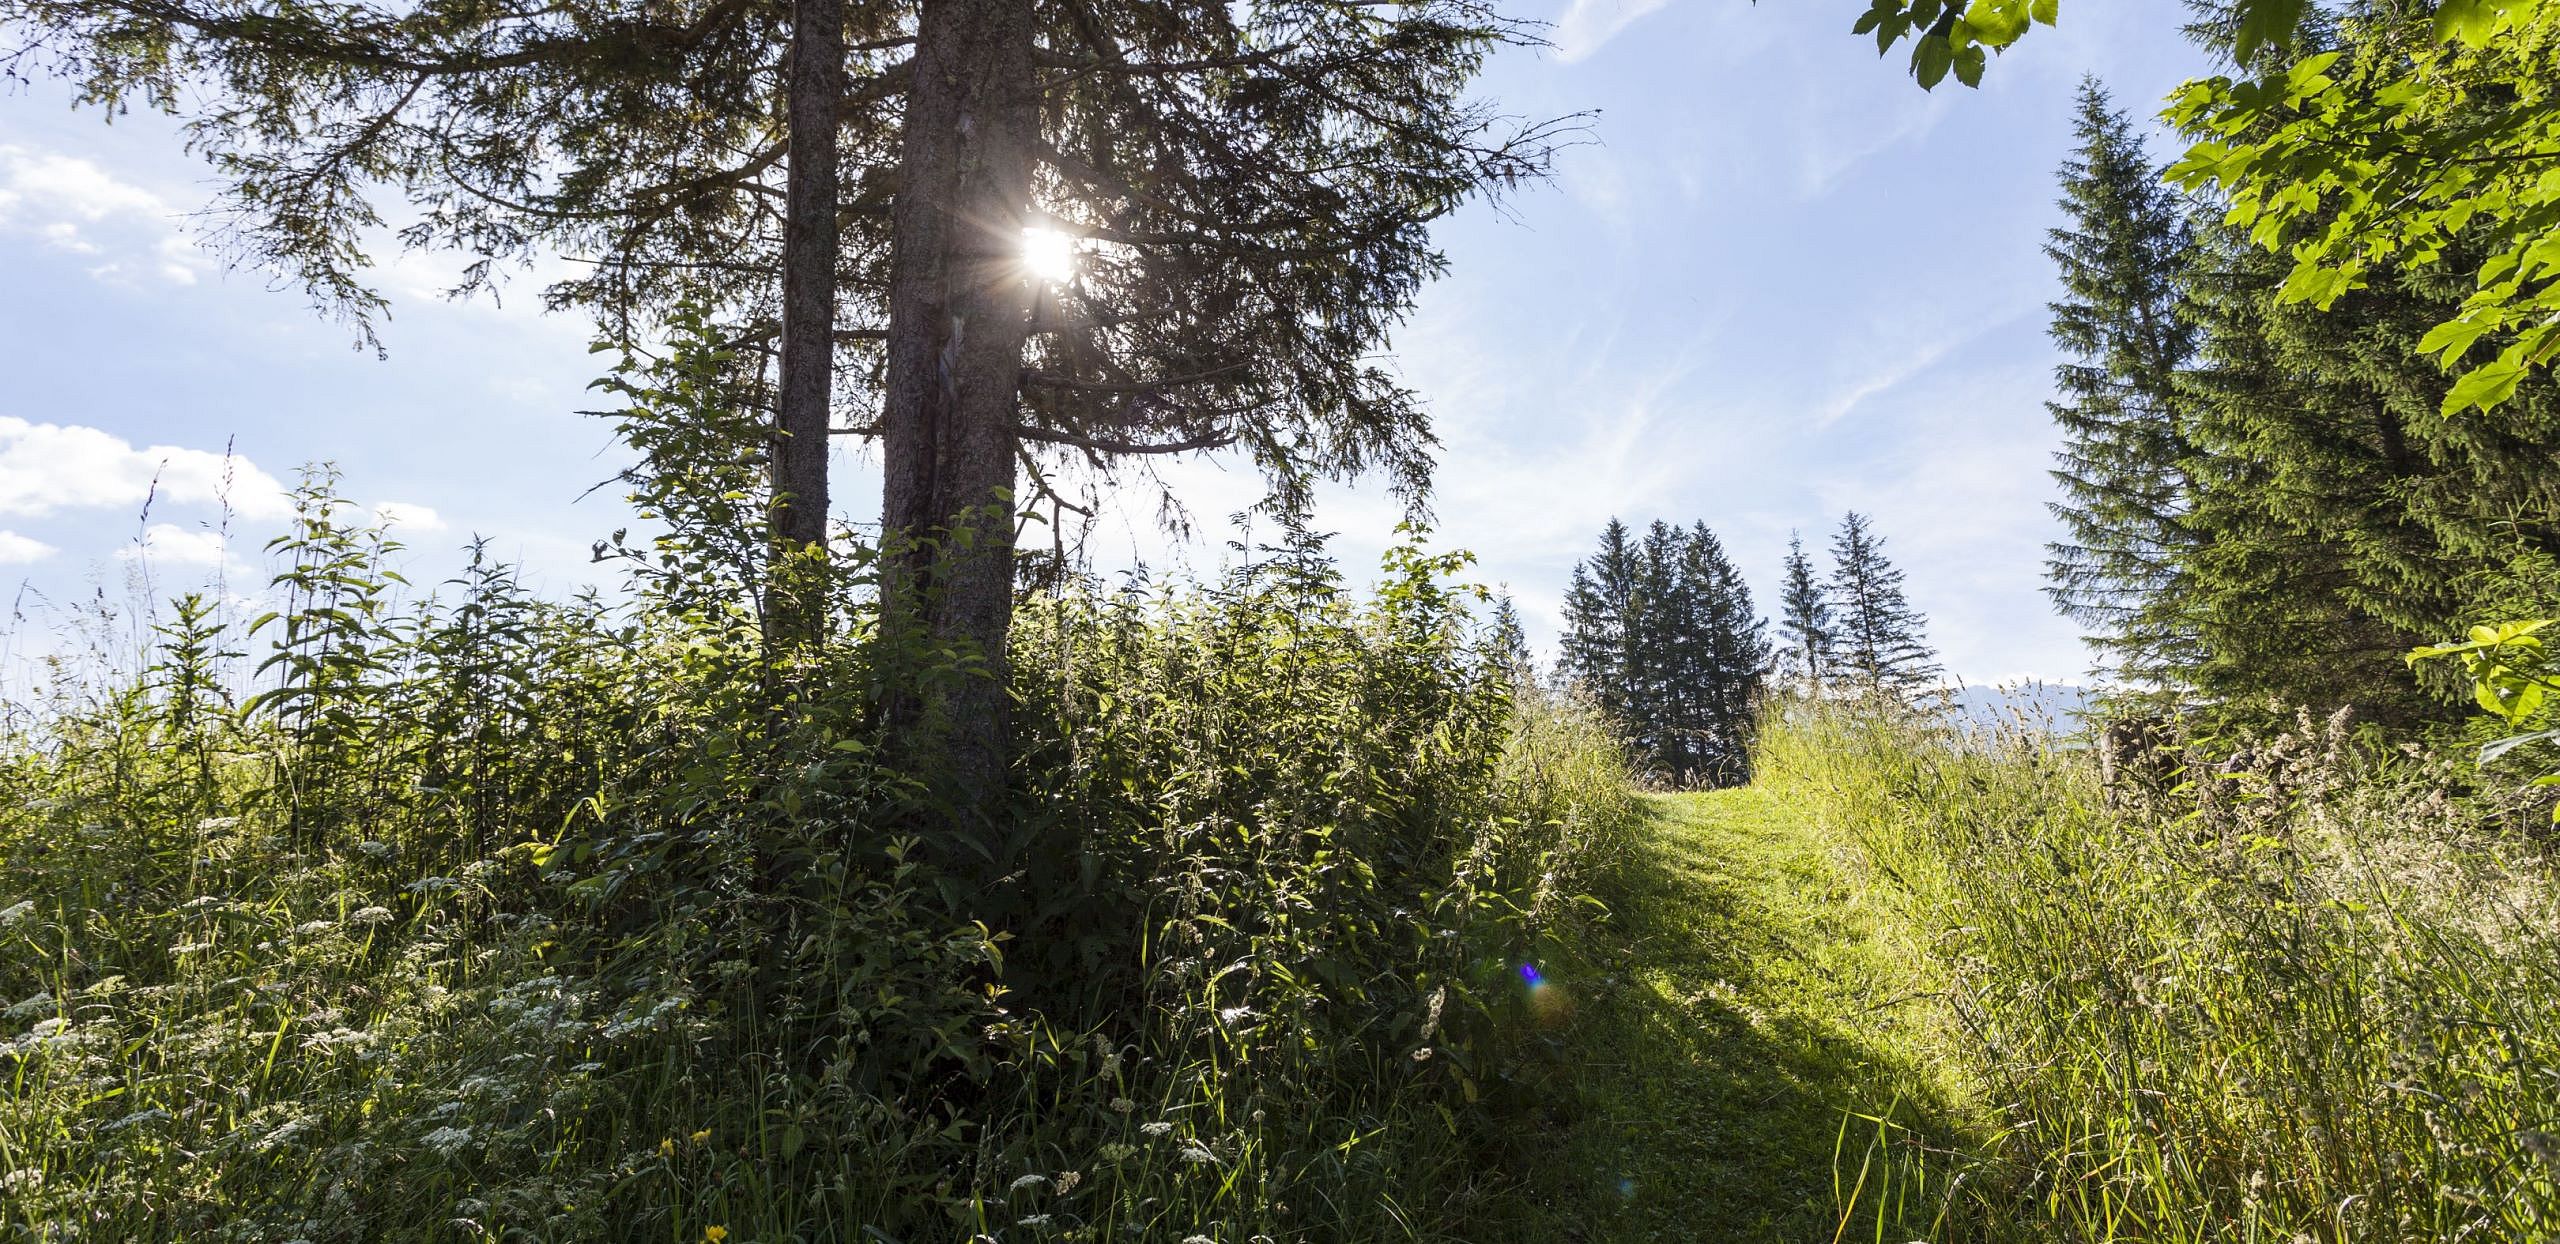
{"x": 2058, "y": 706}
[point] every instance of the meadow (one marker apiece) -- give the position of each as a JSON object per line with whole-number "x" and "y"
{"x": 458, "y": 914}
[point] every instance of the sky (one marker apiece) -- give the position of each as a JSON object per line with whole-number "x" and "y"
{"x": 1777, "y": 283}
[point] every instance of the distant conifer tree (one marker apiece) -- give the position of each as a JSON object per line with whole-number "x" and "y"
{"x": 1732, "y": 657}
{"x": 1595, "y": 653}
{"x": 1661, "y": 634}
{"x": 1880, "y": 645}
{"x": 1509, "y": 642}
{"x": 1804, "y": 622}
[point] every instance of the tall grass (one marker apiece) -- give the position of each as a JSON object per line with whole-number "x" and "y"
{"x": 2294, "y": 992}
{"x": 464, "y": 915}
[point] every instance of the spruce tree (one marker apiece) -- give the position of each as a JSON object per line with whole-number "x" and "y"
{"x": 1662, "y": 636}
{"x": 1596, "y": 652}
{"x": 1508, "y": 644}
{"x": 1250, "y": 188}
{"x": 1804, "y": 622}
{"x": 1880, "y": 645}
{"x": 1732, "y": 659}
{"x": 2122, "y": 465}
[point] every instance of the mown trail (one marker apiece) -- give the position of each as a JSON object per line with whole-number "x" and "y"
{"x": 1744, "y": 1002}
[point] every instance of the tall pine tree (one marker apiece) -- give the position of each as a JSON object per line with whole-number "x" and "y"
{"x": 2122, "y": 465}
{"x": 1731, "y": 660}
{"x": 1509, "y": 641}
{"x": 1880, "y": 643}
{"x": 1595, "y": 653}
{"x": 1804, "y": 622}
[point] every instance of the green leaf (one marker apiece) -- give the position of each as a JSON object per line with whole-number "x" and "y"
{"x": 2485, "y": 387}
{"x": 1930, "y": 60}
{"x": 2264, "y": 24}
{"x": 2470, "y": 21}
{"x": 2493, "y": 750}
{"x": 2452, "y": 339}
{"x": 1969, "y": 63}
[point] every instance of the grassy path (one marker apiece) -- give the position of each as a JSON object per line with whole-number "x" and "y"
{"x": 1742, "y": 1004}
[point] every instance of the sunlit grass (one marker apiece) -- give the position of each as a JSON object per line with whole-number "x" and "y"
{"x": 2306, "y": 996}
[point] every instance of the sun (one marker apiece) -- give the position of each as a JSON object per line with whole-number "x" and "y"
{"x": 1048, "y": 255}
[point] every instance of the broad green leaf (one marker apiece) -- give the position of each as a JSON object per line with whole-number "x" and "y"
{"x": 2486, "y": 386}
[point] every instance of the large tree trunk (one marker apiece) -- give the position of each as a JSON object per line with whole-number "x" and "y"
{"x": 959, "y": 309}
{"x": 795, "y": 603}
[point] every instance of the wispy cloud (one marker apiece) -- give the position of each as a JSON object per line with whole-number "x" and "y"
{"x": 171, "y": 544}
{"x": 1884, "y": 379}
{"x": 409, "y": 516}
{"x": 73, "y": 204}
{"x": 1588, "y": 25}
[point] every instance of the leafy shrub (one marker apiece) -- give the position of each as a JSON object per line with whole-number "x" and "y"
{"x": 488, "y": 917}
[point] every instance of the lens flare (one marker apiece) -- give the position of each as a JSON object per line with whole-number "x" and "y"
{"x": 1048, "y": 255}
{"x": 1549, "y": 1005}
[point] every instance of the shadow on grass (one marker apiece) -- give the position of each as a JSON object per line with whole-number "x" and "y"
{"x": 1733, "y": 1014}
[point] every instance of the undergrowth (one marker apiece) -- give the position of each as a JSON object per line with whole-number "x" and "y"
{"x": 466, "y": 915}
{"x": 2293, "y": 990}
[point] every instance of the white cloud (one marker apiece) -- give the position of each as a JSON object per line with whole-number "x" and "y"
{"x": 1587, "y": 25}
{"x": 405, "y": 514}
{"x": 59, "y": 183}
{"x": 18, "y": 550}
{"x": 70, "y": 202}
{"x": 46, "y": 467}
{"x": 1882, "y": 380}
{"x": 171, "y": 544}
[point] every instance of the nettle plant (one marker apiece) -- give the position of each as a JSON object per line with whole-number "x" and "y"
{"x": 2512, "y": 676}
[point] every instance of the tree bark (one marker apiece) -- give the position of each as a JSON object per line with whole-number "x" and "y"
{"x": 803, "y": 401}
{"x": 959, "y": 312}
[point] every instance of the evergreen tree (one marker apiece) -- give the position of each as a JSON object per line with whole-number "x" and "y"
{"x": 1879, "y": 643}
{"x": 1252, "y": 187}
{"x": 1662, "y": 635}
{"x": 1509, "y": 642}
{"x": 1804, "y": 622}
{"x": 2123, "y": 459}
{"x": 1662, "y": 670}
{"x": 2340, "y": 519}
{"x": 1596, "y": 652}
{"x": 1732, "y": 660}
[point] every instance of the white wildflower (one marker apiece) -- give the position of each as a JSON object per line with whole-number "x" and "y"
{"x": 447, "y": 1139}
{"x": 1155, "y": 1129}
{"x": 36, "y": 1005}
{"x": 370, "y": 915}
{"x": 16, "y": 912}
{"x": 214, "y": 824}
{"x": 1027, "y": 1183}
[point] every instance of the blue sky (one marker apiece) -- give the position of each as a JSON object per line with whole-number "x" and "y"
{"x": 1781, "y": 282}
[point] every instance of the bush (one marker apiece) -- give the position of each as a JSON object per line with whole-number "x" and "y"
{"x": 495, "y": 918}
{"x": 2301, "y": 993}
